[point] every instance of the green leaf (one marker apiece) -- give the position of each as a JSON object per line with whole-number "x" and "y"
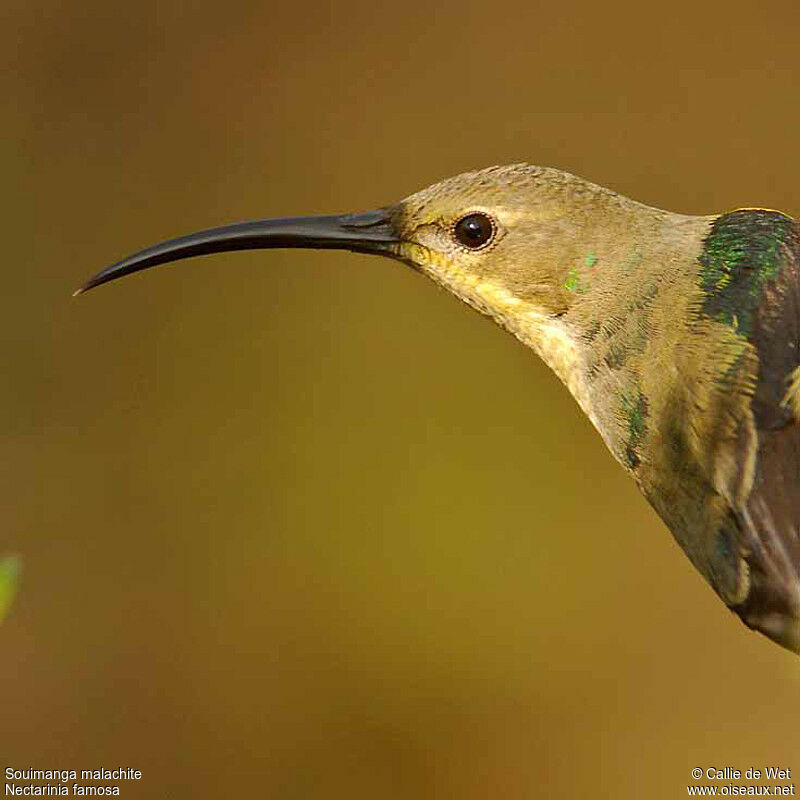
{"x": 10, "y": 567}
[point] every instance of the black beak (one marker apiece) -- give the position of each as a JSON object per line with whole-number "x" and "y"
{"x": 363, "y": 232}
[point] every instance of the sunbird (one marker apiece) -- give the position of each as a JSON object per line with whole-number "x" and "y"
{"x": 678, "y": 336}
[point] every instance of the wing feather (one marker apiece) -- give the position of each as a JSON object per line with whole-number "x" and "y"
{"x": 770, "y": 518}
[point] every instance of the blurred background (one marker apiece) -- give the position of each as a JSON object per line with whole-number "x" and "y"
{"x": 299, "y": 524}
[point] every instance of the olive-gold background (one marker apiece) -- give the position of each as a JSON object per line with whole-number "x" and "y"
{"x": 298, "y": 524}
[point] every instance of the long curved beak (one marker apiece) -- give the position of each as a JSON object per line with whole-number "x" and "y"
{"x": 365, "y": 232}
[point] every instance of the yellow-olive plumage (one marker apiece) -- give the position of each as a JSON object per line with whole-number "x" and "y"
{"x": 679, "y": 336}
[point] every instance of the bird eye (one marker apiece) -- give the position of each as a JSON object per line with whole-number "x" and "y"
{"x": 474, "y": 230}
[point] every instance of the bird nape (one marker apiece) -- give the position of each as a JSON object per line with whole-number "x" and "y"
{"x": 679, "y": 336}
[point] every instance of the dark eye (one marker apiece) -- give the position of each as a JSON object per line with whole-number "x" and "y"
{"x": 474, "y": 230}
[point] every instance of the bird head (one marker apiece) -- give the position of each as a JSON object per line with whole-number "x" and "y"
{"x": 496, "y": 238}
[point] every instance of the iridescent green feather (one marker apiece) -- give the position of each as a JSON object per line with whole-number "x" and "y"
{"x": 743, "y": 250}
